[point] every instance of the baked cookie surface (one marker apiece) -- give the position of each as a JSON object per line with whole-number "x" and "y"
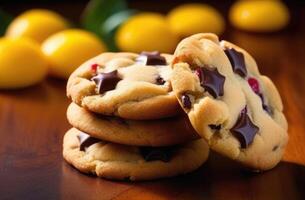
{"x": 121, "y": 162}
{"x": 127, "y": 85}
{"x": 169, "y": 131}
{"x": 229, "y": 103}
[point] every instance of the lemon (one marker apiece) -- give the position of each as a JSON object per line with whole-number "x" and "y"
{"x": 37, "y": 24}
{"x": 21, "y": 63}
{"x": 68, "y": 49}
{"x": 146, "y": 32}
{"x": 259, "y": 16}
{"x": 188, "y": 19}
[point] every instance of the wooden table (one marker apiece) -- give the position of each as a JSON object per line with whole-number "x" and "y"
{"x": 32, "y": 124}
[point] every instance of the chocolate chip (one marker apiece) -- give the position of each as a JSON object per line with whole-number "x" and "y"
{"x": 86, "y": 141}
{"x": 106, "y": 81}
{"x": 244, "y": 130}
{"x": 265, "y": 107}
{"x": 211, "y": 80}
{"x": 160, "y": 80}
{"x": 275, "y": 147}
{"x": 151, "y": 58}
{"x": 157, "y": 153}
{"x": 215, "y": 127}
{"x": 186, "y": 101}
{"x": 237, "y": 61}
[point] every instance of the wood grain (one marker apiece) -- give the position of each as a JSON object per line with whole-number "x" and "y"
{"x": 32, "y": 124}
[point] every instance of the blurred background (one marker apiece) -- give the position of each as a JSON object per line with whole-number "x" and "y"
{"x": 69, "y": 32}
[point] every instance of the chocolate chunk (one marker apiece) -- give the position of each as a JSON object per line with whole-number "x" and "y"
{"x": 86, "y": 141}
{"x": 106, "y": 81}
{"x": 160, "y": 80}
{"x": 237, "y": 61}
{"x": 211, "y": 80}
{"x": 265, "y": 107}
{"x": 215, "y": 127}
{"x": 186, "y": 101}
{"x": 157, "y": 153}
{"x": 151, "y": 58}
{"x": 275, "y": 147}
{"x": 244, "y": 130}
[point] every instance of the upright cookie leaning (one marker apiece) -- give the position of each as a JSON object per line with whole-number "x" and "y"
{"x": 126, "y": 85}
{"x": 115, "y": 161}
{"x": 229, "y": 103}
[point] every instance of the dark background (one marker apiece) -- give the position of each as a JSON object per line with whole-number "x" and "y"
{"x": 72, "y": 9}
{"x": 76, "y": 6}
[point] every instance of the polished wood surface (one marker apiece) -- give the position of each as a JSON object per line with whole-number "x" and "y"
{"x": 32, "y": 124}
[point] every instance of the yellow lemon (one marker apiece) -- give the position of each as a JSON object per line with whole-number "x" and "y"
{"x": 146, "y": 32}
{"x": 188, "y": 19}
{"x": 37, "y": 24}
{"x": 259, "y": 16}
{"x": 68, "y": 49}
{"x": 21, "y": 63}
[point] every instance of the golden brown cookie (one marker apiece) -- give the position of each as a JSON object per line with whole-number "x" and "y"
{"x": 163, "y": 132}
{"x": 127, "y": 85}
{"x": 229, "y": 103}
{"x": 121, "y": 162}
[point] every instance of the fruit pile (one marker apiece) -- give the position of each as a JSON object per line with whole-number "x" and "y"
{"x": 40, "y": 42}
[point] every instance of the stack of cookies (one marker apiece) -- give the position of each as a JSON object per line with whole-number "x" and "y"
{"x": 150, "y": 115}
{"x": 127, "y": 121}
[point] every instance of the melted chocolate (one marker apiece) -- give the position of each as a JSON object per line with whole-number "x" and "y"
{"x": 149, "y": 153}
{"x": 265, "y": 106}
{"x": 186, "y": 101}
{"x": 160, "y": 80}
{"x": 86, "y": 141}
{"x": 244, "y": 130}
{"x": 106, "y": 81}
{"x": 211, "y": 80}
{"x": 237, "y": 61}
{"x": 215, "y": 127}
{"x": 151, "y": 58}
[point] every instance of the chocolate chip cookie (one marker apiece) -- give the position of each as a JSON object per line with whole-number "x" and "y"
{"x": 127, "y": 85}
{"x": 122, "y": 162}
{"x": 229, "y": 103}
{"x": 170, "y": 131}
